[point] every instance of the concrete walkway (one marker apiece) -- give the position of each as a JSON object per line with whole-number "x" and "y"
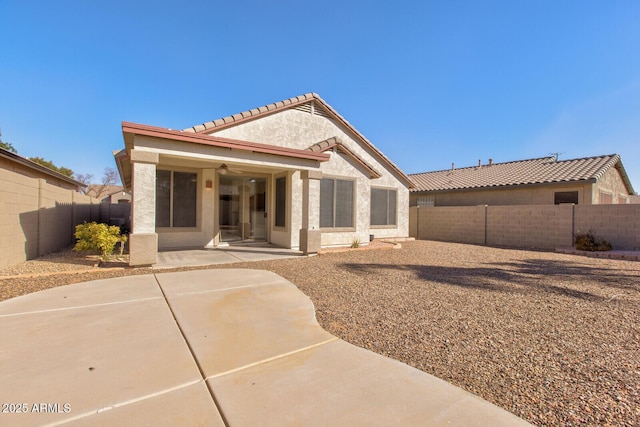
{"x": 222, "y": 255}
{"x": 213, "y": 347}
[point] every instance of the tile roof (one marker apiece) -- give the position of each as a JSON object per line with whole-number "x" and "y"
{"x": 335, "y": 142}
{"x": 544, "y": 170}
{"x": 300, "y": 100}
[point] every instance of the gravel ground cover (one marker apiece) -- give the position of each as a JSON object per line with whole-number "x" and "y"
{"x": 553, "y": 338}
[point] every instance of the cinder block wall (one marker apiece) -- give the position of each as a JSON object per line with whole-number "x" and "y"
{"x": 522, "y": 226}
{"x": 463, "y": 224}
{"x": 528, "y": 226}
{"x": 37, "y": 218}
{"x": 18, "y": 218}
{"x": 618, "y": 224}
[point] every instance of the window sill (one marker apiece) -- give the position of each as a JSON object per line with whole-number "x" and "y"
{"x": 177, "y": 229}
{"x": 338, "y": 230}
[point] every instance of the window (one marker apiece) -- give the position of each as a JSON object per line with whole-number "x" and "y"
{"x": 176, "y": 194}
{"x": 281, "y": 201}
{"x": 336, "y": 203}
{"x": 565, "y": 197}
{"x": 426, "y": 201}
{"x": 606, "y": 198}
{"x": 383, "y": 206}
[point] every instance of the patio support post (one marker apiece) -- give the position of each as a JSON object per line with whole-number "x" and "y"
{"x": 143, "y": 241}
{"x": 310, "y": 235}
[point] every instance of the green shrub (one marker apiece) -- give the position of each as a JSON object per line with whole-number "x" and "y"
{"x": 590, "y": 242}
{"x": 355, "y": 244}
{"x": 93, "y": 236}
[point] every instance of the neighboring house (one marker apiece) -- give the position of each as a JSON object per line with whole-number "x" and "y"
{"x": 547, "y": 180}
{"x": 294, "y": 173}
{"x": 12, "y": 162}
{"x": 109, "y": 193}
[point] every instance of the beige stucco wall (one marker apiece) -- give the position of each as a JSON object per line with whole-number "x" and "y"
{"x": 611, "y": 183}
{"x": 288, "y": 128}
{"x": 298, "y": 129}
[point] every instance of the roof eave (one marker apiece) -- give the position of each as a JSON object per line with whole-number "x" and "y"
{"x": 292, "y": 102}
{"x": 132, "y": 129}
{"x": 506, "y": 186}
{"x": 33, "y": 165}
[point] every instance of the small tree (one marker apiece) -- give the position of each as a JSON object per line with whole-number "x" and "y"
{"x": 84, "y": 178}
{"x": 94, "y": 236}
{"x": 7, "y": 145}
{"x": 49, "y": 164}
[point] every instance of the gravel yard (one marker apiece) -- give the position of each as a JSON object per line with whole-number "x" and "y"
{"x": 553, "y": 338}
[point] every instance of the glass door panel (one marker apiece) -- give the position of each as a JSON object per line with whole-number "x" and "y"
{"x": 242, "y": 207}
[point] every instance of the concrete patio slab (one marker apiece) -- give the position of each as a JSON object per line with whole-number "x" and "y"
{"x": 232, "y": 328}
{"x": 202, "y": 281}
{"x": 90, "y": 358}
{"x": 238, "y": 347}
{"x": 97, "y": 292}
{"x": 339, "y": 384}
{"x": 187, "y": 406}
{"x": 222, "y": 255}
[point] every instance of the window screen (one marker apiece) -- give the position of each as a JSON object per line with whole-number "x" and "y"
{"x": 383, "y": 206}
{"x": 336, "y": 203}
{"x": 606, "y": 198}
{"x": 326, "y": 202}
{"x": 176, "y": 196}
{"x": 281, "y": 200}
{"x": 344, "y": 203}
{"x": 184, "y": 199}
{"x": 163, "y": 198}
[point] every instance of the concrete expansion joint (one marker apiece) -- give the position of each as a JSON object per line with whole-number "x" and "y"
{"x": 124, "y": 403}
{"x": 79, "y": 307}
{"x": 279, "y": 282}
{"x": 193, "y": 355}
{"x": 271, "y": 359}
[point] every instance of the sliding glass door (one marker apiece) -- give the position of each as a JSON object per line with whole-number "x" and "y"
{"x": 242, "y": 209}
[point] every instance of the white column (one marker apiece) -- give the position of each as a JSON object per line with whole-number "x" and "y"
{"x": 143, "y": 241}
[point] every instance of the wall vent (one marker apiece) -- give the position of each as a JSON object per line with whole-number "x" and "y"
{"x": 304, "y": 107}
{"x": 312, "y": 108}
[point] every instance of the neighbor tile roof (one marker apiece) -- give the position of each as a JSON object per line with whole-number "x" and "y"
{"x": 521, "y": 172}
{"x": 255, "y": 113}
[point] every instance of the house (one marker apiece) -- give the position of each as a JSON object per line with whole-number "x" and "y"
{"x": 12, "y": 162}
{"x": 109, "y": 193}
{"x": 294, "y": 173}
{"x": 546, "y": 180}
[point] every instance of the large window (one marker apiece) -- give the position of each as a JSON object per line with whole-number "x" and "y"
{"x": 336, "y": 203}
{"x": 176, "y": 194}
{"x": 560, "y": 197}
{"x": 383, "y": 206}
{"x": 281, "y": 201}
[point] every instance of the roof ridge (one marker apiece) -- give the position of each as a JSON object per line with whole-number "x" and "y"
{"x": 522, "y": 172}
{"x": 287, "y": 103}
{"x": 519, "y": 161}
{"x": 274, "y": 106}
{"x": 485, "y": 165}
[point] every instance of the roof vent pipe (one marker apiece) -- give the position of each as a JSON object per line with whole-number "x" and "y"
{"x": 479, "y": 162}
{"x": 490, "y": 162}
{"x": 453, "y": 166}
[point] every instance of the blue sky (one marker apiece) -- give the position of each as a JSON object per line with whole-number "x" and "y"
{"x": 429, "y": 83}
